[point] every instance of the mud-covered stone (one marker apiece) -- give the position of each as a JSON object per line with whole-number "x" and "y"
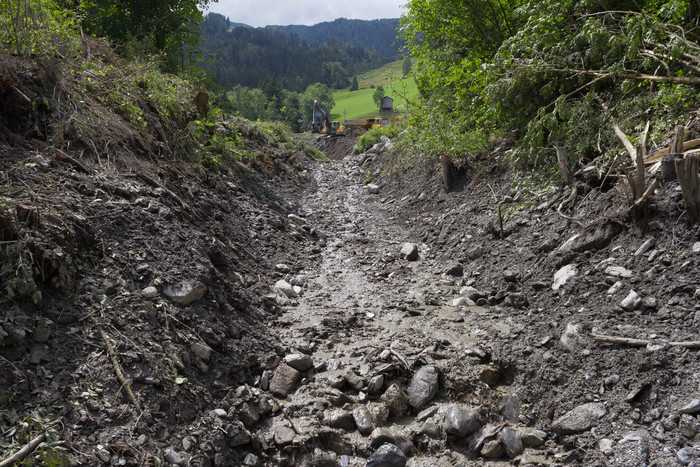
{"x": 185, "y": 293}
{"x": 409, "y": 251}
{"x": 580, "y": 419}
{"x": 387, "y": 455}
{"x": 396, "y": 400}
{"x": 511, "y": 441}
{"x": 339, "y": 418}
{"x": 284, "y": 379}
{"x": 460, "y": 422}
{"x": 424, "y": 386}
{"x": 363, "y": 419}
{"x": 299, "y": 361}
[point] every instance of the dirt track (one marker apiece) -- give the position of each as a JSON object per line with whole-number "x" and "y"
{"x": 508, "y": 368}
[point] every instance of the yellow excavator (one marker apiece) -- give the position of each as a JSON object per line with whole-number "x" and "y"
{"x": 321, "y": 123}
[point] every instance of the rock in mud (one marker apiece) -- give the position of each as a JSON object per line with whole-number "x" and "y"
{"x": 286, "y": 288}
{"x": 455, "y": 270}
{"x": 579, "y": 419}
{"x": 186, "y": 292}
{"x": 409, "y": 251}
{"x": 373, "y": 189}
{"x": 689, "y": 455}
{"x": 149, "y": 292}
{"x": 423, "y": 387}
{"x": 563, "y": 275}
{"x": 492, "y": 450}
{"x": 325, "y": 459}
{"x": 396, "y": 400}
{"x": 510, "y": 439}
{"x": 299, "y": 361}
{"x": 200, "y": 351}
{"x": 375, "y": 385}
{"x": 284, "y": 379}
{"x": 571, "y": 336}
{"x": 692, "y": 407}
{"x": 354, "y": 380}
{"x": 172, "y": 456}
{"x": 381, "y": 436}
{"x": 284, "y": 436}
{"x": 511, "y": 408}
{"x": 251, "y": 460}
{"x": 631, "y": 302}
{"x": 363, "y": 419}
{"x": 339, "y": 418}
{"x": 533, "y": 438}
{"x": 471, "y": 293}
{"x": 460, "y": 422}
{"x": 618, "y": 271}
{"x": 387, "y": 455}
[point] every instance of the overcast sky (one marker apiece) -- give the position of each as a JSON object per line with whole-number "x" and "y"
{"x": 308, "y": 12}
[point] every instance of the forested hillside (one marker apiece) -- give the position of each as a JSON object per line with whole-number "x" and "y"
{"x": 550, "y": 73}
{"x": 248, "y": 56}
{"x": 378, "y": 35}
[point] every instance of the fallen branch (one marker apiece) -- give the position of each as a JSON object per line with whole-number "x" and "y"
{"x": 691, "y": 80}
{"x": 642, "y": 342}
{"x": 661, "y": 153}
{"x": 281, "y": 409}
{"x": 654, "y": 185}
{"x": 626, "y": 142}
{"x": 115, "y": 364}
{"x": 24, "y": 452}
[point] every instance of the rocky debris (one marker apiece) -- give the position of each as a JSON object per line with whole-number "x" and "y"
{"x": 353, "y": 380}
{"x": 511, "y": 408}
{"x": 284, "y": 380}
{"x": 396, "y": 401}
{"x": 571, "y": 337}
{"x": 631, "y": 302}
{"x": 460, "y": 422}
{"x": 580, "y": 419}
{"x": 618, "y": 271}
{"x": 563, "y": 275}
{"x": 372, "y": 189}
{"x": 185, "y": 293}
{"x": 339, "y": 418}
{"x": 149, "y": 292}
{"x": 692, "y": 407}
{"x": 172, "y": 456}
{"x": 423, "y": 387}
{"x": 533, "y": 438}
{"x": 284, "y": 436}
{"x": 511, "y": 441}
{"x": 299, "y": 361}
{"x": 200, "y": 351}
{"x": 286, "y": 288}
{"x": 409, "y": 251}
{"x": 363, "y": 420}
{"x": 388, "y": 455}
{"x": 688, "y": 455}
{"x": 492, "y": 450}
{"x": 375, "y": 385}
{"x": 455, "y": 270}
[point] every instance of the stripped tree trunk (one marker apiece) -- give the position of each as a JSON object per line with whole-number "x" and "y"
{"x": 688, "y": 171}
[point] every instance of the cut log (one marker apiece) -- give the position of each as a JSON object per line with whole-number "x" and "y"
{"x": 693, "y": 143}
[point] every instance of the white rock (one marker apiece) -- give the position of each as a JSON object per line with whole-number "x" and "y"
{"x": 373, "y": 189}
{"x": 567, "y": 244}
{"x": 471, "y": 293}
{"x": 631, "y": 301}
{"x": 615, "y": 288}
{"x": 149, "y": 292}
{"x": 646, "y": 246}
{"x": 296, "y": 219}
{"x": 409, "y": 251}
{"x": 696, "y": 247}
{"x": 606, "y": 446}
{"x": 570, "y": 335}
{"x": 563, "y": 275}
{"x": 286, "y": 288}
{"x": 463, "y": 301}
{"x": 185, "y": 292}
{"x": 618, "y": 271}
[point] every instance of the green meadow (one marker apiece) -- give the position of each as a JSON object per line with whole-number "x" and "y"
{"x": 359, "y": 104}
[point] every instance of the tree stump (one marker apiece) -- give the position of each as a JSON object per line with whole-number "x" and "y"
{"x": 688, "y": 171}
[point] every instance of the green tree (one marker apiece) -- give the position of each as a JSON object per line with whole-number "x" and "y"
{"x": 315, "y": 92}
{"x": 355, "y": 85}
{"x": 378, "y": 95}
{"x": 406, "y": 66}
{"x": 163, "y": 24}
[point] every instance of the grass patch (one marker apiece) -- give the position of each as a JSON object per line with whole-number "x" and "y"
{"x": 359, "y": 104}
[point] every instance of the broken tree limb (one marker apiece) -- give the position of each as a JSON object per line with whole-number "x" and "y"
{"x": 28, "y": 448}
{"x": 661, "y": 153}
{"x": 676, "y": 145}
{"x": 115, "y": 364}
{"x": 650, "y": 191}
{"x": 626, "y": 142}
{"x": 642, "y": 342}
{"x": 691, "y": 80}
{"x": 24, "y": 452}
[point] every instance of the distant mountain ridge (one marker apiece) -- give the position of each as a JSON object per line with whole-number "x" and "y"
{"x": 378, "y": 35}
{"x": 329, "y": 53}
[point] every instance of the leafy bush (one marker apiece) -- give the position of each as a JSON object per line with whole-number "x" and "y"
{"x": 374, "y": 135}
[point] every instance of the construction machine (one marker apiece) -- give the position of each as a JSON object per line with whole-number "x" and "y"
{"x": 321, "y": 123}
